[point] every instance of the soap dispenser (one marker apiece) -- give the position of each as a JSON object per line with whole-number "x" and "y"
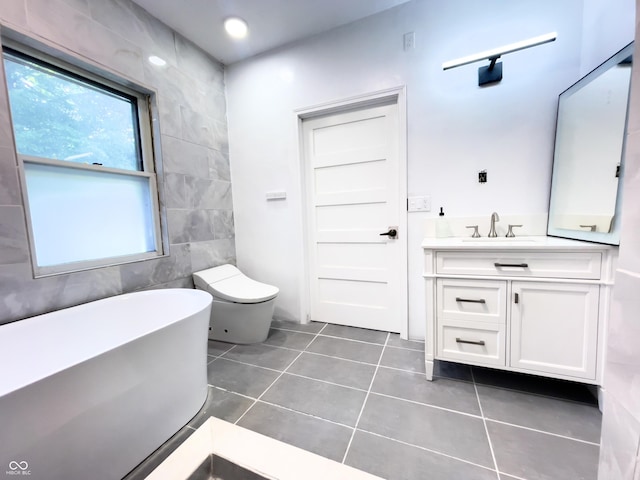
{"x": 442, "y": 226}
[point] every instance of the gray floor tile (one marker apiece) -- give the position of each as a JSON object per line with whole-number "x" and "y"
{"x": 335, "y": 370}
{"x": 143, "y": 470}
{"x": 396, "y": 341}
{"x": 324, "y": 400}
{"x": 312, "y": 434}
{"x": 443, "y": 392}
{"x": 263, "y": 356}
{"x": 337, "y": 347}
{"x": 571, "y": 419}
{"x": 458, "y": 371}
{"x": 285, "y": 338}
{"x": 411, "y": 360}
{"x": 216, "y": 348}
{"x": 534, "y": 384}
{"x": 221, "y": 404}
{"x": 353, "y": 333}
{"x": 396, "y": 461}
{"x": 240, "y": 378}
{"x": 447, "y": 432}
{"x": 313, "y": 327}
{"x": 538, "y": 456}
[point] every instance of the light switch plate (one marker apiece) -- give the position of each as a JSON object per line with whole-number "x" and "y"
{"x": 420, "y": 204}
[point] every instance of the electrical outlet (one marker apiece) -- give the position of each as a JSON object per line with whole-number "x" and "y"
{"x": 482, "y": 176}
{"x": 409, "y": 39}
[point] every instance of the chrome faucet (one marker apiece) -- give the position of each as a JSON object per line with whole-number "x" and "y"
{"x": 492, "y": 231}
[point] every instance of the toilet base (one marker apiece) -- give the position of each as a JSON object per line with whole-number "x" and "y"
{"x": 240, "y": 322}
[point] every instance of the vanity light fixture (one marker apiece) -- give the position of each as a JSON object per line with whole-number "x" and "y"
{"x": 493, "y": 72}
{"x": 236, "y": 27}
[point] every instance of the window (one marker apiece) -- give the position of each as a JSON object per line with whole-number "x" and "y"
{"x": 84, "y": 147}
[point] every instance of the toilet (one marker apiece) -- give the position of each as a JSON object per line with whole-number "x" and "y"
{"x": 242, "y": 308}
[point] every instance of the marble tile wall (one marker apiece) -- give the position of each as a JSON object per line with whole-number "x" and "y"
{"x": 620, "y": 443}
{"x": 194, "y": 180}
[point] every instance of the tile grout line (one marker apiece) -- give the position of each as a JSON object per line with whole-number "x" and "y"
{"x": 289, "y": 409}
{"x": 277, "y": 378}
{"x": 232, "y": 392}
{"x": 543, "y": 432}
{"x": 486, "y": 430}
{"x": 437, "y": 407}
{"x": 223, "y": 354}
{"x": 350, "y": 339}
{"x": 251, "y": 364}
{"x": 340, "y": 358}
{"x": 425, "y": 449}
{"x": 355, "y": 428}
{"x": 327, "y": 382}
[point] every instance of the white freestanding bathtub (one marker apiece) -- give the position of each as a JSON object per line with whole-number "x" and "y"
{"x": 90, "y": 391}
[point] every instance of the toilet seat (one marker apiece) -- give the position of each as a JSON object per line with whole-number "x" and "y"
{"x": 228, "y": 283}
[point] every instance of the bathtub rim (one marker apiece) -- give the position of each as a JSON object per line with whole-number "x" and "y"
{"x": 44, "y": 367}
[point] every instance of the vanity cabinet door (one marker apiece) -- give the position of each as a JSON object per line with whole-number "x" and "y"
{"x": 554, "y": 328}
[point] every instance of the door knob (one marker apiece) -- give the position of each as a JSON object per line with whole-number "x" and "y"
{"x": 392, "y": 233}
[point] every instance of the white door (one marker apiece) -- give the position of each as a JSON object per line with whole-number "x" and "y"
{"x": 355, "y": 193}
{"x": 554, "y": 328}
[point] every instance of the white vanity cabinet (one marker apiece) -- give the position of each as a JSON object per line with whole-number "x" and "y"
{"x": 534, "y": 304}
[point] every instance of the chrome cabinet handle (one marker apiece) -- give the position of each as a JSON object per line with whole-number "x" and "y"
{"x": 470, "y": 342}
{"x": 471, "y": 300}
{"x": 592, "y": 228}
{"x": 518, "y": 265}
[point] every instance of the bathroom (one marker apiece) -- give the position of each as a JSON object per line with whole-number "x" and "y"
{"x": 215, "y": 175}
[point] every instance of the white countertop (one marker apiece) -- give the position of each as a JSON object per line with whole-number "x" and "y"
{"x": 516, "y": 243}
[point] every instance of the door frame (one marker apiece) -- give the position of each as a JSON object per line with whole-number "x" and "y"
{"x": 396, "y": 95}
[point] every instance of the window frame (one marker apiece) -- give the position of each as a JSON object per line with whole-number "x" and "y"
{"x": 147, "y": 158}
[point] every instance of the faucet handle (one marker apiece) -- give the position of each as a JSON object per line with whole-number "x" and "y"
{"x": 510, "y": 231}
{"x": 475, "y": 234}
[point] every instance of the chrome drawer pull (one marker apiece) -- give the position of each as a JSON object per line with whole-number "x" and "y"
{"x": 470, "y": 300}
{"x": 518, "y": 265}
{"x": 471, "y": 342}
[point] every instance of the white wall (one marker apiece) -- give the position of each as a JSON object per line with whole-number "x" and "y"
{"x": 608, "y": 27}
{"x": 620, "y": 441}
{"x": 455, "y": 128}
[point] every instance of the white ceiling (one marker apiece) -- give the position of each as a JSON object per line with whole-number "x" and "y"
{"x": 272, "y": 23}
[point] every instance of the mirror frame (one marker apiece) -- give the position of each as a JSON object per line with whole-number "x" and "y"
{"x": 613, "y": 237}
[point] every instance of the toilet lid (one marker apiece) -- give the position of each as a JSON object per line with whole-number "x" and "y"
{"x": 241, "y": 289}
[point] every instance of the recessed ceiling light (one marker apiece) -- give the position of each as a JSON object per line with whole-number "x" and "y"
{"x": 157, "y": 61}
{"x": 236, "y": 27}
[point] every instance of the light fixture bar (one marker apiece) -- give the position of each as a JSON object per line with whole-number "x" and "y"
{"x": 498, "y": 52}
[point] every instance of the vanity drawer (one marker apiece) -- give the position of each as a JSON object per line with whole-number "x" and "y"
{"x": 472, "y": 342}
{"x": 521, "y": 264}
{"x": 471, "y": 300}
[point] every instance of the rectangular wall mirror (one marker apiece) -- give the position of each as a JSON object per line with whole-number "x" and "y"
{"x": 587, "y": 165}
